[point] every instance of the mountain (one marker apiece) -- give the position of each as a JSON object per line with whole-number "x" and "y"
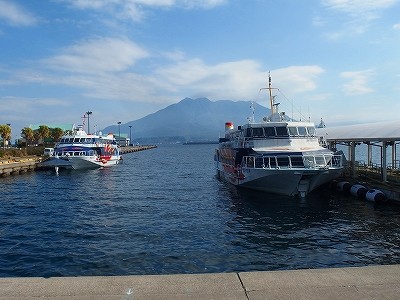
{"x": 190, "y": 120}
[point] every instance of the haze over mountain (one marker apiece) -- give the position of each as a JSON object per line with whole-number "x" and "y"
{"x": 190, "y": 120}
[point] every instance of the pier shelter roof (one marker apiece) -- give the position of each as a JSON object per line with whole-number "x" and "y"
{"x": 370, "y": 132}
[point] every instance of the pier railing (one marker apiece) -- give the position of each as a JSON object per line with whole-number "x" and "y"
{"x": 374, "y": 171}
{"x": 293, "y": 161}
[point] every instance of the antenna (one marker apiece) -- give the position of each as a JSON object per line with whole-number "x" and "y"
{"x": 252, "y": 111}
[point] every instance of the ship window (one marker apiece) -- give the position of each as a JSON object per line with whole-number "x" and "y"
{"x": 283, "y": 161}
{"x": 258, "y": 132}
{"x": 302, "y": 131}
{"x": 259, "y": 162}
{"x": 269, "y": 131}
{"x": 281, "y": 131}
{"x": 293, "y": 131}
{"x": 311, "y": 131}
{"x": 297, "y": 161}
{"x": 248, "y": 132}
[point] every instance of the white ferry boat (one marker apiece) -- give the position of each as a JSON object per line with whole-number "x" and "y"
{"x": 276, "y": 155}
{"x": 80, "y": 150}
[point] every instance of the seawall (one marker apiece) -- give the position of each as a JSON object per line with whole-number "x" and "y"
{"x": 16, "y": 166}
{"x": 372, "y": 282}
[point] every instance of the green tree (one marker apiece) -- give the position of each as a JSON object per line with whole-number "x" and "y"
{"x": 5, "y": 133}
{"x": 56, "y": 134}
{"x": 27, "y": 134}
{"x": 36, "y": 136}
{"x": 44, "y": 132}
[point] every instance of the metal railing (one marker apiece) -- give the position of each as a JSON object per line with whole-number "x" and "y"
{"x": 293, "y": 161}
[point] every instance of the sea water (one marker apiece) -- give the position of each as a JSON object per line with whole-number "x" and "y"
{"x": 163, "y": 211}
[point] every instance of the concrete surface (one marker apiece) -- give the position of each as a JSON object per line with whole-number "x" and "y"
{"x": 374, "y": 282}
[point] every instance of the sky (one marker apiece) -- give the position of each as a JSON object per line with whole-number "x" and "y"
{"x": 123, "y": 59}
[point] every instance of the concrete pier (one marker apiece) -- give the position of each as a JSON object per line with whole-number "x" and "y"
{"x": 373, "y": 282}
{"x": 130, "y": 149}
{"x": 18, "y": 165}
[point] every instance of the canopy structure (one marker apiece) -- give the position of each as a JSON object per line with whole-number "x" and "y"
{"x": 379, "y": 134}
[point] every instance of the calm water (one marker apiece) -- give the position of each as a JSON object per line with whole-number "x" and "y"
{"x": 163, "y": 211}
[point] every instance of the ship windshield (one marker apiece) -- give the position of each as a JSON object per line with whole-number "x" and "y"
{"x": 258, "y": 132}
{"x": 269, "y": 131}
{"x": 281, "y": 131}
{"x": 311, "y": 131}
{"x": 302, "y": 131}
{"x": 293, "y": 131}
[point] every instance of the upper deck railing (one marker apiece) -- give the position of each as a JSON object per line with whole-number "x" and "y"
{"x": 293, "y": 161}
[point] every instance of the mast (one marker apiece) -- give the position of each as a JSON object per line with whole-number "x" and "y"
{"x": 271, "y": 99}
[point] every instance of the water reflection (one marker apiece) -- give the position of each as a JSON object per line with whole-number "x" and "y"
{"x": 322, "y": 230}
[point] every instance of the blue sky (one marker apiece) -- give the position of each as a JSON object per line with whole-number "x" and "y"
{"x": 123, "y": 59}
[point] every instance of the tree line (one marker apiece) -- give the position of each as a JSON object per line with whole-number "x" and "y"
{"x": 32, "y": 136}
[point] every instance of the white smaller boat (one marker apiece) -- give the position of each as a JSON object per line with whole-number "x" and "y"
{"x": 80, "y": 150}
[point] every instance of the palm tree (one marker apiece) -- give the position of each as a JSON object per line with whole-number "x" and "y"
{"x": 36, "y": 136}
{"x": 44, "y": 132}
{"x": 27, "y": 133}
{"x": 5, "y": 133}
{"x": 56, "y": 134}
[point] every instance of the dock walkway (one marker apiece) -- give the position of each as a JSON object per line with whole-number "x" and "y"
{"x": 130, "y": 149}
{"x": 373, "y": 282}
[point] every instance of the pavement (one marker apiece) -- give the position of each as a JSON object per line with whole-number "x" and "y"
{"x": 372, "y": 282}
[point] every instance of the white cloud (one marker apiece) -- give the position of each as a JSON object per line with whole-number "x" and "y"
{"x": 98, "y": 55}
{"x": 298, "y": 79}
{"x": 16, "y": 15}
{"x": 24, "y": 109}
{"x": 357, "y": 15}
{"x": 201, "y": 3}
{"x": 358, "y": 84}
{"x": 235, "y": 80}
{"x": 396, "y": 26}
{"x": 105, "y": 75}
{"x": 228, "y": 80}
{"x": 134, "y": 9}
{"x": 359, "y": 7}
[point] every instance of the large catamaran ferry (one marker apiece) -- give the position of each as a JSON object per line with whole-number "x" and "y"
{"x": 276, "y": 155}
{"x": 80, "y": 150}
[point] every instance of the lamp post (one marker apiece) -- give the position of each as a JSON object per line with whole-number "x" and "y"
{"x": 88, "y": 127}
{"x": 119, "y": 133}
{"x": 130, "y": 136}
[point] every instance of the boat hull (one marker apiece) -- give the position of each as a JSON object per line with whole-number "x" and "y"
{"x": 288, "y": 182}
{"x": 77, "y": 163}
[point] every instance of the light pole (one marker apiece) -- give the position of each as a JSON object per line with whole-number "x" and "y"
{"x": 119, "y": 133}
{"x": 130, "y": 136}
{"x": 88, "y": 127}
